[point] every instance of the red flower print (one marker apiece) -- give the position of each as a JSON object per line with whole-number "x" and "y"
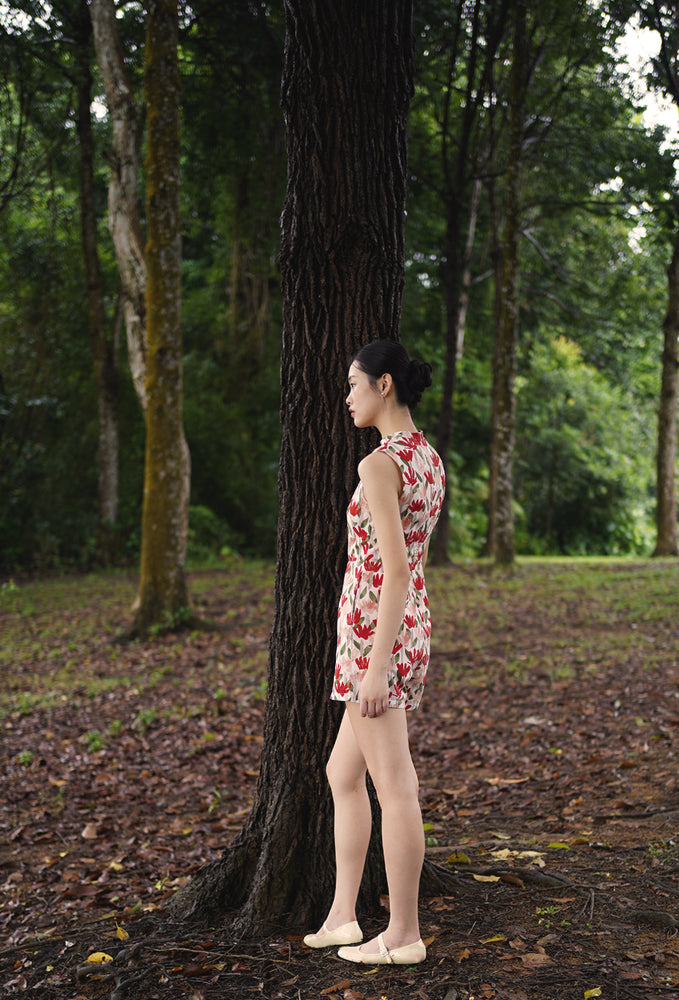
{"x": 429, "y": 476}
{"x": 378, "y": 579}
{"x": 418, "y": 583}
{"x": 435, "y": 460}
{"x": 405, "y": 454}
{"x": 410, "y": 621}
{"x": 361, "y": 532}
{"x": 403, "y": 669}
{"x": 354, "y": 617}
{"x": 354, "y": 508}
{"x": 364, "y": 631}
{"x": 397, "y": 689}
{"x": 415, "y": 655}
{"x": 371, "y": 565}
{"x": 398, "y": 646}
{"x": 416, "y": 505}
{"x": 342, "y": 687}
{"x": 409, "y": 477}
{"x": 362, "y": 662}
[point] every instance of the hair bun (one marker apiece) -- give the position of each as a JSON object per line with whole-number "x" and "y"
{"x": 419, "y": 376}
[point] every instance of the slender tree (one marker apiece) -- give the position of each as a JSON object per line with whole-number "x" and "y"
{"x": 664, "y": 18}
{"x": 451, "y": 150}
{"x": 163, "y": 591}
{"x": 346, "y": 88}
{"x": 666, "y": 456}
{"x": 103, "y": 335}
{"x": 123, "y": 208}
{"x": 506, "y": 334}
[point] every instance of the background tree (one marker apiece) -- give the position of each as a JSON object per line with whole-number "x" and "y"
{"x": 507, "y": 331}
{"x": 123, "y": 157}
{"x": 457, "y": 47}
{"x": 163, "y": 593}
{"x": 104, "y": 334}
{"x": 664, "y": 18}
{"x": 346, "y": 87}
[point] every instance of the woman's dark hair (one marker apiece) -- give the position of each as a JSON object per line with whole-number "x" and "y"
{"x": 386, "y": 357}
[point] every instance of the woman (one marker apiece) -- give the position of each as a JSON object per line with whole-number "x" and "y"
{"x": 382, "y": 654}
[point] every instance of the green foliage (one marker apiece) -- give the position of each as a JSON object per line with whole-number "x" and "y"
{"x": 599, "y": 205}
{"x": 580, "y": 484}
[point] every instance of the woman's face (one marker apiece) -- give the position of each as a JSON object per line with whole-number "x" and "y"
{"x": 364, "y": 400}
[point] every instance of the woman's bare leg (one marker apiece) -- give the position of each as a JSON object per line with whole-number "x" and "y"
{"x": 346, "y": 771}
{"x": 383, "y": 743}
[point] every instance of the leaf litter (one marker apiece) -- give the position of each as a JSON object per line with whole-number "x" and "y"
{"x": 546, "y": 748}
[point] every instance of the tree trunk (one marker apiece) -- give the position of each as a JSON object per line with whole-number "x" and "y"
{"x": 506, "y": 335}
{"x": 123, "y": 158}
{"x": 457, "y": 279}
{"x": 103, "y": 342}
{"x": 346, "y": 88}
{"x": 163, "y": 594}
{"x": 666, "y": 513}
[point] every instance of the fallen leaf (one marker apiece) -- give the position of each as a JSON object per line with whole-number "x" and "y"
{"x": 458, "y": 858}
{"x": 336, "y": 987}
{"x": 495, "y": 938}
{"x": 90, "y": 831}
{"x": 462, "y": 955}
{"x": 486, "y": 878}
{"x": 596, "y": 992}
{"x": 121, "y": 933}
{"x": 99, "y": 957}
{"x": 536, "y": 959}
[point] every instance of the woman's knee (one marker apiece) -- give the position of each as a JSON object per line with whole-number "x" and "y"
{"x": 343, "y": 778}
{"x": 396, "y": 786}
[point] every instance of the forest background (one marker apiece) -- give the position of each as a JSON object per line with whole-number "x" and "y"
{"x": 598, "y": 220}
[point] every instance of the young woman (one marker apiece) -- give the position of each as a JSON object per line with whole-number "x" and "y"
{"x": 383, "y": 632}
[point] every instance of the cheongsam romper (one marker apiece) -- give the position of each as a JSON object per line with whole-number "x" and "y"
{"x": 420, "y": 505}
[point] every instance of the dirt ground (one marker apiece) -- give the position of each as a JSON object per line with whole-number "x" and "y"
{"x": 547, "y": 751}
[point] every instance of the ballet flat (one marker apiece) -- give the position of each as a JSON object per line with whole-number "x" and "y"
{"x": 408, "y": 954}
{"x": 349, "y": 933}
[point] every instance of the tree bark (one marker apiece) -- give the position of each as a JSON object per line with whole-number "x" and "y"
{"x": 506, "y": 336}
{"x": 666, "y": 511}
{"x": 102, "y": 338}
{"x": 163, "y": 594}
{"x": 123, "y": 159}
{"x": 346, "y": 88}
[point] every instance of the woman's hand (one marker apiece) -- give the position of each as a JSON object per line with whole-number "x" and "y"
{"x": 373, "y": 694}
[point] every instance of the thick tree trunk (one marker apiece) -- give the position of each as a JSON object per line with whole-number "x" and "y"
{"x": 506, "y": 336}
{"x": 346, "y": 89}
{"x": 666, "y": 512}
{"x": 163, "y": 594}
{"x": 123, "y": 158}
{"x": 103, "y": 342}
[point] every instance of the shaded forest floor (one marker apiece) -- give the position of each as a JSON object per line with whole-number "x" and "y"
{"x": 547, "y": 749}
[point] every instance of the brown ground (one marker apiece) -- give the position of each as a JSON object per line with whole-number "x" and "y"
{"x": 550, "y": 726}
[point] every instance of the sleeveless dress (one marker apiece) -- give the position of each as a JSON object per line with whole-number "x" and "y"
{"x": 420, "y": 505}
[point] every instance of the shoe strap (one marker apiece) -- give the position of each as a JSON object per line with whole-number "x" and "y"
{"x": 384, "y": 951}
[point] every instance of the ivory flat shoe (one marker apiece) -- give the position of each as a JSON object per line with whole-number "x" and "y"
{"x": 349, "y": 933}
{"x": 408, "y": 954}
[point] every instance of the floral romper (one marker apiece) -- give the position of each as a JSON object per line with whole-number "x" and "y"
{"x": 420, "y": 505}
